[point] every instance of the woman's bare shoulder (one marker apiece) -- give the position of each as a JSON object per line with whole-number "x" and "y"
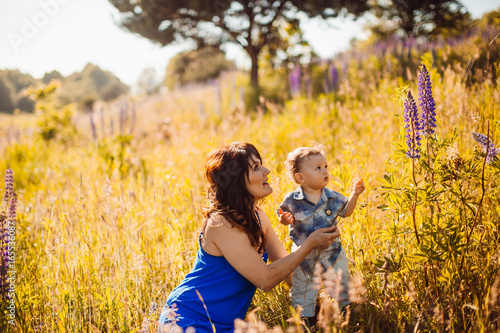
{"x": 217, "y": 220}
{"x": 217, "y": 232}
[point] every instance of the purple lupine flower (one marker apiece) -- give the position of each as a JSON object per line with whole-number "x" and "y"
{"x": 122, "y": 116}
{"x": 101, "y": 115}
{"x": 9, "y": 186}
{"x": 426, "y": 102}
{"x": 485, "y": 142}
{"x": 334, "y": 73}
{"x": 412, "y": 126}
{"x": 133, "y": 117}
{"x": 111, "y": 127}
{"x": 13, "y": 208}
{"x": 218, "y": 97}
{"x": 298, "y": 79}
{"x": 294, "y": 79}
{"x": 93, "y": 128}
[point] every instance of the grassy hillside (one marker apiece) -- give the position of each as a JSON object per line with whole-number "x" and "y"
{"x": 108, "y": 215}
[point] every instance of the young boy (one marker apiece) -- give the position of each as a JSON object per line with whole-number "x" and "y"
{"x": 309, "y": 207}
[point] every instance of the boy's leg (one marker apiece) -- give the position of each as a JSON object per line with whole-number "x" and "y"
{"x": 343, "y": 265}
{"x": 304, "y": 292}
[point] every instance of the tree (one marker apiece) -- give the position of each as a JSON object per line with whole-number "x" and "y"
{"x": 251, "y": 24}
{"x": 6, "y": 104}
{"x": 148, "y": 82}
{"x": 13, "y": 84}
{"x": 49, "y": 76}
{"x": 414, "y": 18}
{"x": 289, "y": 48}
{"x": 196, "y": 66}
{"x": 91, "y": 84}
{"x": 19, "y": 80}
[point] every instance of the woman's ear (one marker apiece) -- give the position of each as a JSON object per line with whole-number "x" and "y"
{"x": 299, "y": 178}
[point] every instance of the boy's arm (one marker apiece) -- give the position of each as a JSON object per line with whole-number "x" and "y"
{"x": 285, "y": 218}
{"x": 358, "y": 188}
{"x": 351, "y": 204}
{"x": 284, "y": 213}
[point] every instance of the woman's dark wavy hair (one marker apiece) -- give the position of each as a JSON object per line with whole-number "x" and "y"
{"x": 226, "y": 169}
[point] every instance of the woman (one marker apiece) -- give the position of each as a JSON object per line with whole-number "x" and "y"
{"x": 236, "y": 240}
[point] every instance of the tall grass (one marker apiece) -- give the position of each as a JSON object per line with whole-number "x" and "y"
{"x": 108, "y": 226}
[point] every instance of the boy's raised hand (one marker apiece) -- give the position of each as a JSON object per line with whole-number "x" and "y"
{"x": 358, "y": 186}
{"x": 285, "y": 218}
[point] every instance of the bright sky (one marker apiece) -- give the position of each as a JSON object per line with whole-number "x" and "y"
{"x": 38, "y": 36}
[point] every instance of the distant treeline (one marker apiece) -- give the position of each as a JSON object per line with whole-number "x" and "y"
{"x": 83, "y": 88}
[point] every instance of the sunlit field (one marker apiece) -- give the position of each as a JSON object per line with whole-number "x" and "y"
{"x": 109, "y": 204}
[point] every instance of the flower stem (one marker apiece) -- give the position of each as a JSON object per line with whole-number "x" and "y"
{"x": 414, "y": 207}
{"x": 483, "y": 190}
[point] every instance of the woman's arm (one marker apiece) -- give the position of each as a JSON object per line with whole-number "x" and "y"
{"x": 234, "y": 245}
{"x": 274, "y": 246}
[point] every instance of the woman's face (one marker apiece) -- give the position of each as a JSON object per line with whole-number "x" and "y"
{"x": 257, "y": 183}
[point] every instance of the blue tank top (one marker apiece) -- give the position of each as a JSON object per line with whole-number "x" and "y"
{"x": 225, "y": 293}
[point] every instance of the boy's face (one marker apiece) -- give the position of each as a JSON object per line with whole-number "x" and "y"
{"x": 313, "y": 172}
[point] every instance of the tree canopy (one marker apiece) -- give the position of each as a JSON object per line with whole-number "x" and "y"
{"x": 12, "y": 86}
{"x": 251, "y": 24}
{"x": 415, "y": 18}
{"x": 196, "y": 66}
{"x": 91, "y": 84}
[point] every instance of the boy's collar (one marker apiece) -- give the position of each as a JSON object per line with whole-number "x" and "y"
{"x": 298, "y": 194}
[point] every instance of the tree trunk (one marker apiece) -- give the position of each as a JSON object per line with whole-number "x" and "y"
{"x": 254, "y": 72}
{"x": 252, "y": 96}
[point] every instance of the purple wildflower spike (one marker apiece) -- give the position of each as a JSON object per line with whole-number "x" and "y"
{"x": 9, "y": 185}
{"x": 334, "y": 73}
{"x": 426, "y": 102}
{"x": 122, "y": 116}
{"x": 294, "y": 78}
{"x": 485, "y": 141}
{"x": 13, "y": 208}
{"x": 93, "y": 128}
{"x": 111, "y": 127}
{"x": 412, "y": 126}
{"x": 133, "y": 116}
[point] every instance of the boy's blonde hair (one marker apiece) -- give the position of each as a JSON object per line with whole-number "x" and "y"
{"x": 296, "y": 157}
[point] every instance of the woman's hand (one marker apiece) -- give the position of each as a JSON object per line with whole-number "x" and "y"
{"x": 324, "y": 237}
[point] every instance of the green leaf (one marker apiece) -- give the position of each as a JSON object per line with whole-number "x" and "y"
{"x": 383, "y": 207}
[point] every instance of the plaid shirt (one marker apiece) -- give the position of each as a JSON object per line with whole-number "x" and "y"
{"x": 309, "y": 217}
